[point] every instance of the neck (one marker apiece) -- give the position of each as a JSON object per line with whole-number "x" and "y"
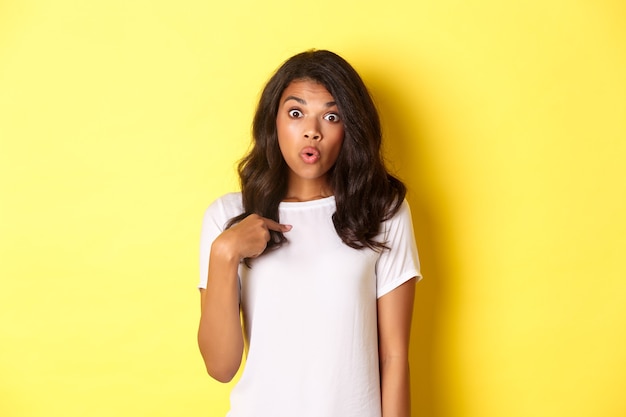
{"x": 307, "y": 191}
{"x": 294, "y": 198}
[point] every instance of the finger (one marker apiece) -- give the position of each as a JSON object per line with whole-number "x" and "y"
{"x": 277, "y": 227}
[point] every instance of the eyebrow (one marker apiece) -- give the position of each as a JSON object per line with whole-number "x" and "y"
{"x": 303, "y": 102}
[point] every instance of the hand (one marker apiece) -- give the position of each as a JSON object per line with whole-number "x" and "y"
{"x": 248, "y": 238}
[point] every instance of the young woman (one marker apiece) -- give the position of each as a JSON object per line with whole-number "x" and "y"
{"x": 316, "y": 253}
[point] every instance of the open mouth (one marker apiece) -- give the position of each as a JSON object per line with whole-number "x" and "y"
{"x": 310, "y": 155}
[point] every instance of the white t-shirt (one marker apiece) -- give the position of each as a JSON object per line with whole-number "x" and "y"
{"x": 309, "y": 310}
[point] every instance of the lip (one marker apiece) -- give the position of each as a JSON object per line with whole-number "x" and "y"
{"x": 310, "y": 155}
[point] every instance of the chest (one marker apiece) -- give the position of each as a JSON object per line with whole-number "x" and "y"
{"x": 313, "y": 268}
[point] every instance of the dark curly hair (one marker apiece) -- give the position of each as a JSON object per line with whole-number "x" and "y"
{"x": 366, "y": 194}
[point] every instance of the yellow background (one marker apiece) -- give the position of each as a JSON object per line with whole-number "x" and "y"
{"x": 120, "y": 121}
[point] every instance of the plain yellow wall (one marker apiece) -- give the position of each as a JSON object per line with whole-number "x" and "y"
{"x": 120, "y": 121}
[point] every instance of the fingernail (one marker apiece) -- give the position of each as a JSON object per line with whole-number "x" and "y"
{"x": 287, "y": 227}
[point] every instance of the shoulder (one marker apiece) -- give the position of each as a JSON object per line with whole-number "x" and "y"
{"x": 402, "y": 214}
{"x": 399, "y": 223}
{"x": 224, "y": 208}
{"x": 404, "y": 207}
{"x": 230, "y": 201}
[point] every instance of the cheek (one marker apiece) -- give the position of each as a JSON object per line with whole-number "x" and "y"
{"x": 333, "y": 132}
{"x": 338, "y": 136}
{"x": 336, "y": 144}
{"x": 285, "y": 129}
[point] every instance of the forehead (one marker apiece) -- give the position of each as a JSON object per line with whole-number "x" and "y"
{"x": 308, "y": 90}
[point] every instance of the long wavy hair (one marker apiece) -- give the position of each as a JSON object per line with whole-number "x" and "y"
{"x": 366, "y": 194}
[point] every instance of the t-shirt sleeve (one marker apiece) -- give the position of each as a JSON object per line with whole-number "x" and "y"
{"x": 400, "y": 262}
{"x": 213, "y": 223}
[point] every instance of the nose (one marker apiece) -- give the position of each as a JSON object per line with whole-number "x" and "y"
{"x": 312, "y": 131}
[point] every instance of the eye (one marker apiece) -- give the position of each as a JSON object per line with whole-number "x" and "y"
{"x": 294, "y": 113}
{"x": 332, "y": 117}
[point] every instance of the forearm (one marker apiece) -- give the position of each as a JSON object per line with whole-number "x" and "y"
{"x": 394, "y": 385}
{"x": 220, "y": 335}
{"x": 395, "y": 310}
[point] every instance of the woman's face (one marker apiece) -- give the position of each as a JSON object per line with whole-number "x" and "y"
{"x": 310, "y": 134}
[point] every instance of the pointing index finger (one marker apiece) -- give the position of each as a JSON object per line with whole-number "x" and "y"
{"x": 272, "y": 225}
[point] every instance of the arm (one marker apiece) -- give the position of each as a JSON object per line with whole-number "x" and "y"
{"x": 220, "y": 335}
{"x": 395, "y": 310}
